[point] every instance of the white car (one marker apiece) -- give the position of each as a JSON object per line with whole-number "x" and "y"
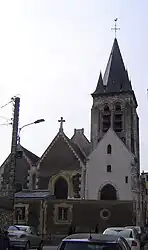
{"x": 24, "y": 237}
{"x": 130, "y": 234}
{"x": 137, "y": 228}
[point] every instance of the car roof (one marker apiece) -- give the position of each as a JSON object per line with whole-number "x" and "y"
{"x": 92, "y": 237}
{"x": 21, "y": 226}
{"x": 115, "y": 228}
{"x": 120, "y": 228}
{"x": 135, "y": 227}
{"x": 132, "y": 227}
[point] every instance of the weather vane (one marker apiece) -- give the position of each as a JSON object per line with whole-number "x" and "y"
{"x": 115, "y": 28}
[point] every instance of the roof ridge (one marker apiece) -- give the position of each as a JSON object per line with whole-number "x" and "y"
{"x": 30, "y": 151}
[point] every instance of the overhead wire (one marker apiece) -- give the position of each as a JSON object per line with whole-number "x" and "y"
{"x": 6, "y": 124}
{"x": 6, "y": 104}
{"x": 5, "y": 118}
{"x": 11, "y": 100}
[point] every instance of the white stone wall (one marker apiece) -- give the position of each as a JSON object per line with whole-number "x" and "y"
{"x": 120, "y": 160}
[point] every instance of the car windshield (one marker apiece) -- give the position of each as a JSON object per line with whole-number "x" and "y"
{"x": 127, "y": 233}
{"x": 22, "y": 228}
{"x": 75, "y": 245}
{"x": 138, "y": 229}
{"x": 13, "y": 228}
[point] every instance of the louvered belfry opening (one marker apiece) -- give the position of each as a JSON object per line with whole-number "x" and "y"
{"x": 106, "y": 119}
{"x": 118, "y": 118}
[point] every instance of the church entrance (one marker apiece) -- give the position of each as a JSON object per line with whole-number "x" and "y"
{"x": 108, "y": 192}
{"x": 61, "y": 189}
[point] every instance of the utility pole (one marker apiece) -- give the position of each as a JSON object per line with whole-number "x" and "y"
{"x": 16, "y": 105}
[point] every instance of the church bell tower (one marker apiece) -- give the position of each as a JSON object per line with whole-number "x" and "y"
{"x": 114, "y": 104}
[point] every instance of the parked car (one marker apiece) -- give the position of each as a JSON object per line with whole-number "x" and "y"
{"x": 130, "y": 234}
{"x": 142, "y": 234}
{"x": 138, "y": 228}
{"x": 94, "y": 242}
{"x": 25, "y": 237}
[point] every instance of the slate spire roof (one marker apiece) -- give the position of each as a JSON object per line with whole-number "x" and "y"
{"x": 100, "y": 87}
{"x": 115, "y": 78}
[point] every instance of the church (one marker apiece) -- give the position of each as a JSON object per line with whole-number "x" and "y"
{"x": 82, "y": 182}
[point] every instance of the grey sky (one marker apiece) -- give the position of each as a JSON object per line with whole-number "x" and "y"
{"x": 51, "y": 53}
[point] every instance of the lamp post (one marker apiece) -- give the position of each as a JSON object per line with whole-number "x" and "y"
{"x": 26, "y": 125}
{"x": 17, "y": 153}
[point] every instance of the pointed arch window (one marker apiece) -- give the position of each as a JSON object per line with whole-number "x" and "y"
{"x": 109, "y": 149}
{"x": 106, "y": 118}
{"x": 118, "y": 117}
{"x": 61, "y": 188}
{"x": 118, "y": 107}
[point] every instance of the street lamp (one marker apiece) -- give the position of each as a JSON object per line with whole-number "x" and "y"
{"x": 26, "y": 125}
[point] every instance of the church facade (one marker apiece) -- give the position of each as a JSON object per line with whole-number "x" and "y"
{"x": 76, "y": 177}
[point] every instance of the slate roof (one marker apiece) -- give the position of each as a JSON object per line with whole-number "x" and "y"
{"x": 81, "y": 141}
{"x": 74, "y": 147}
{"x": 35, "y": 194}
{"x": 34, "y": 158}
{"x": 100, "y": 87}
{"x": 116, "y": 78}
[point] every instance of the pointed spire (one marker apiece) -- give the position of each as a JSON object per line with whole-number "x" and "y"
{"x": 100, "y": 80}
{"x": 116, "y": 78}
{"x": 100, "y": 87}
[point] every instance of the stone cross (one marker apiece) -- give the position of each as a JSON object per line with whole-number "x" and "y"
{"x": 61, "y": 124}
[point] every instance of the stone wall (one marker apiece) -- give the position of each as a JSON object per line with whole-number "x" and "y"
{"x": 6, "y": 218}
{"x": 32, "y": 212}
{"x": 82, "y": 214}
{"x": 85, "y": 215}
{"x": 34, "y": 215}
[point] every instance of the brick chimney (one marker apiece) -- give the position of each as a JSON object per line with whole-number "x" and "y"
{"x": 79, "y": 131}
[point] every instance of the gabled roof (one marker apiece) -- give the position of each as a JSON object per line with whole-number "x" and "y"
{"x": 76, "y": 149}
{"x": 34, "y": 158}
{"x": 73, "y": 147}
{"x": 31, "y": 156}
{"x": 81, "y": 141}
{"x": 110, "y": 130}
{"x": 116, "y": 78}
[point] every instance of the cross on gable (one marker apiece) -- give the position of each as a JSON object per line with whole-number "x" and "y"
{"x": 61, "y": 124}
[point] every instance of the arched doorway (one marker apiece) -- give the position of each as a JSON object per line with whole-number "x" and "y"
{"x": 61, "y": 188}
{"x": 108, "y": 192}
